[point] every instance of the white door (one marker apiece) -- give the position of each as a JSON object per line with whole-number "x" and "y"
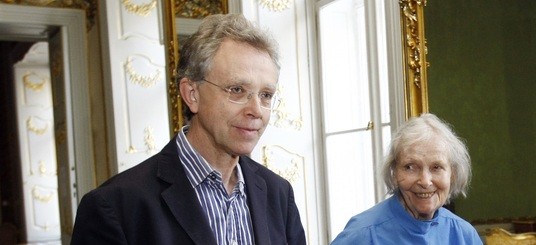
{"x": 37, "y": 145}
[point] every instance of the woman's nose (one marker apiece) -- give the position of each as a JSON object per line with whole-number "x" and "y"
{"x": 425, "y": 180}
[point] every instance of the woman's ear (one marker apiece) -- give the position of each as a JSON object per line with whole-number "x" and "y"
{"x": 189, "y": 94}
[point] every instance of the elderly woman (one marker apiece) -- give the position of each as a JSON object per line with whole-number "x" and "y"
{"x": 426, "y": 166}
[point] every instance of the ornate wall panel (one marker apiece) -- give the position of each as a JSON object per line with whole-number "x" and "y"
{"x": 138, "y": 86}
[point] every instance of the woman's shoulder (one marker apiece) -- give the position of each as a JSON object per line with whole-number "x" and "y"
{"x": 455, "y": 220}
{"x": 359, "y": 226}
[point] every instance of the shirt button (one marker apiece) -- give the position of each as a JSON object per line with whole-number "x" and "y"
{"x": 234, "y": 242}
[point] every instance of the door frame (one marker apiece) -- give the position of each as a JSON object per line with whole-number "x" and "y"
{"x": 71, "y": 63}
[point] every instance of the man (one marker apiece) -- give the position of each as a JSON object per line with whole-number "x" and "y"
{"x": 202, "y": 188}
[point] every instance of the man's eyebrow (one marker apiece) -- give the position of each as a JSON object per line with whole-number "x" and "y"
{"x": 242, "y": 82}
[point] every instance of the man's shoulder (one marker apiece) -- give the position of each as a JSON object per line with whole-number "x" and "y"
{"x": 139, "y": 176}
{"x": 251, "y": 166}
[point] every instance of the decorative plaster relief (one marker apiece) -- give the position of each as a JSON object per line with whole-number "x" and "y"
{"x": 40, "y": 129}
{"x": 139, "y": 21}
{"x": 138, "y": 71}
{"x": 282, "y": 118}
{"x": 34, "y": 82}
{"x": 36, "y": 89}
{"x": 45, "y": 199}
{"x": 139, "y": 9}
{"x": 287, "y": 164}
{"x": 276, "y": 5}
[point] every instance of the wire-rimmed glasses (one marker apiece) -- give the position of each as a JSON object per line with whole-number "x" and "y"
{"x": 240, "y": 95}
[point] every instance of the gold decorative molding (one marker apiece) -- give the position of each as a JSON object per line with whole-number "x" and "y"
{"x": 42, "y": 169}
{"x": 276, "y": 5}
{"x": 197, "y": 9}
{"x": 291, "y": 172}
{"x": 496, "y": 236}
{"x": 33, "y": 85}
{"x": 32, "y": 128}
{"x": 414, "y": 43}
{"x": 89, "y": 6}
{"x": 41, "y": 197}
{"x": 136, "y": 78}
{"x": 132, "y": 150}
{"x": 139, "y": 9}
{"x": 281, "y": 114}
{"x": 149, "y": 140}
{"x": 172, "y": 57}
{"x": 40, "y": 2}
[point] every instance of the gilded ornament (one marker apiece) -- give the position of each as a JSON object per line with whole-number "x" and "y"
{"x": 136, "y": 78}
{"x": 290, "y": 173}
{"x": 149, "y": 140}
{"x": 414, "y": 56}
{"x": 198, "y": 9}
{"x": 40, "y": 197}
{"x": 35, "y": 86}
{"x": 32, "y": 128}
{"x": 139, "y": 9}
{"x": 132, "y": 150}
{"x": 281, "y": 114}
{"x": 276, "y": 5}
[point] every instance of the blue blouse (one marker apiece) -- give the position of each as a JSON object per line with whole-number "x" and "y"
{"x": 389, "y": 223}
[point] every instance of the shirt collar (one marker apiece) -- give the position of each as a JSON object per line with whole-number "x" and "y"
{"x": 409, "y": 222}
{"x": 197, "y": 168}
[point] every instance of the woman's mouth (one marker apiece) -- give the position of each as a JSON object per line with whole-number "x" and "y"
{"x": 424, "y": 195}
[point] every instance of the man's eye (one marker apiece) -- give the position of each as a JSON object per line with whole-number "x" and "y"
{"x": 237, "y": 90}
{"x": 266, "y": 95}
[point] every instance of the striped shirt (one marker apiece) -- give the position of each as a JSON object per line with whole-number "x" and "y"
{"x": 228, "y": 215}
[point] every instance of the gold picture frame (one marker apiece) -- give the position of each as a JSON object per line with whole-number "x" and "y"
{"x": 414, "y": 53}
{"x": 195, "y": 9}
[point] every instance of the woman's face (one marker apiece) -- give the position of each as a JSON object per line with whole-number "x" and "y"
{"x": 423, "y": 175}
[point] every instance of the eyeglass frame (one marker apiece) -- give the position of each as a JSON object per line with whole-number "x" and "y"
{"x": 273, "y": 102}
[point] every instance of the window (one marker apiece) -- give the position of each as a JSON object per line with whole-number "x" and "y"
{"x": 355, "y": 105}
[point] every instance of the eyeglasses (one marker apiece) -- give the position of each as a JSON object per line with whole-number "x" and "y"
{"x": 240, "y": 95}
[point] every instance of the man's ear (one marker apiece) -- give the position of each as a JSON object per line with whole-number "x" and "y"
{"x": 189, "y": 94}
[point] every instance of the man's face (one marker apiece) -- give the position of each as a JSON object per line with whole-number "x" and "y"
{"x": 229, "y": 127}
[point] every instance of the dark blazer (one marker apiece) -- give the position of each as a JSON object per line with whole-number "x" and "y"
{"x": 154, "y": 203}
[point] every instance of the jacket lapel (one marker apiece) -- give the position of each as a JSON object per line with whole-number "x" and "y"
{"x": 257, "y": 199}
{"x": 181, "y": 198}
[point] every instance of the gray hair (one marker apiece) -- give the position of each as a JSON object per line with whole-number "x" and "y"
{"x": 198, "y": 51}
{"x": 425, "y": 127}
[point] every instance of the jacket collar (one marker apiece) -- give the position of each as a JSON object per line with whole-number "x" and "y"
{"x": 257, "y": 199}
{"x": 178, "y": 197}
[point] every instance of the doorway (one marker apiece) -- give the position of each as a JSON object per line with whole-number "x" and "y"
{"x": 64, "y": 30}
